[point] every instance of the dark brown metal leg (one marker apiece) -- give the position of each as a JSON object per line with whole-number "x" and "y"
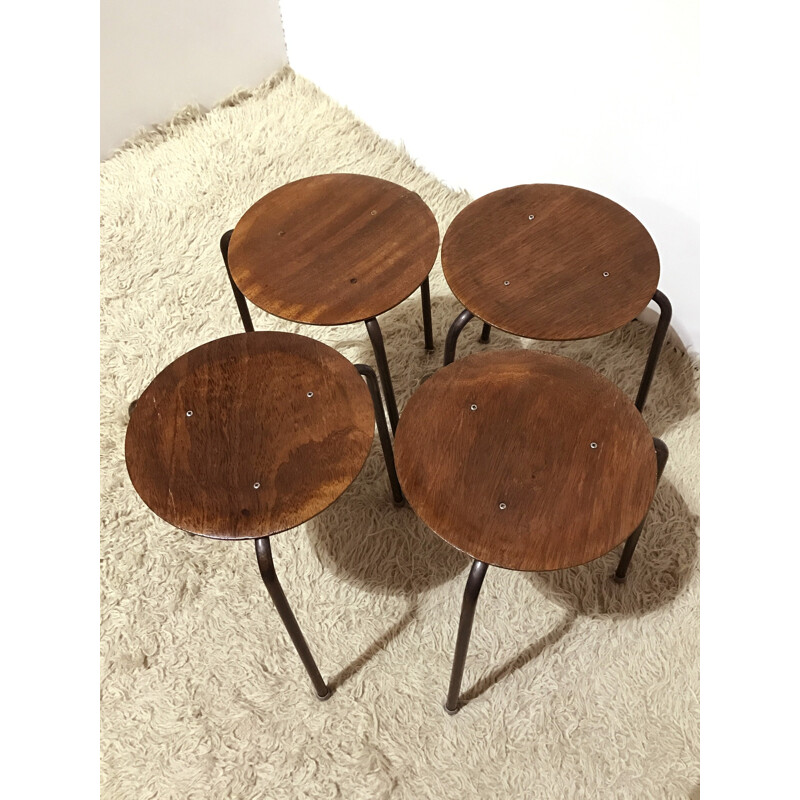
{"x": 662, "y": 454}
{"x": 241, "y": 302}
{"x": 473, "y": 588}
{"x": 452, "y": 335}
{"x": 265, "y": 564}
{"x": 487, "y": 328}
{"x": 376, "y": 337}
{"x": 383, "y": 431}
{"x": 427, "y": 322}
{"x": 655, "y": 348}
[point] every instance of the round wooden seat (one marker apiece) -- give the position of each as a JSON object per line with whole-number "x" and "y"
{"x": 249, "y": 435}
{"x": 525, "y": 460}
{"x": 333, "y": 249}
{"x": 550, "y": 262}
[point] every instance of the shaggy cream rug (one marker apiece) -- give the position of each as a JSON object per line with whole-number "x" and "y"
{"x": 577, "y": 687}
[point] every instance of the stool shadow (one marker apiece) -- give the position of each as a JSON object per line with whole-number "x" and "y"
{"x": 381, "y": 643}
{"x": 366, "y": 541}
{"x": 665, "y": 560}
{"x": 512, "y": 665}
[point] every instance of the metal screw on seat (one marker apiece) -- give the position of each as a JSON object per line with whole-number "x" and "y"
{"x": 605, "y": 274}
{"x": 506, "y": 283}
{"x": 593, "y": 445}
{"x": 309, "y": 394}
{"x": 256, "y": 485}
{"x": 473, "y": 407}
{"x": 189, "y": 413}
{"x": 530, "y": 216}
{"x": 503, "y": 506}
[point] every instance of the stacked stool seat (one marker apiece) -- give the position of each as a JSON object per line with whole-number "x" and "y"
{"x": 555, "y": 263}
{"x": 527, "y": 461}
{"x": 254, "y": 434}
{"x": 332, "y": 250}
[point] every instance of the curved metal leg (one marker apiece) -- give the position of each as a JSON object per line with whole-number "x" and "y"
{"x": 376, "y": 337}
{"x": 655, "y": 348}
{"x": 265, "y": 564}
{"x": 662, "y": 454}
{"x": 244, "y": 311}
{"x": 427, "y": 322}
{"x": 473, "y": 588}
{"x": 487, "y": 328}
{"x": 383, "y": 432}
{"x": 452, "y": 335}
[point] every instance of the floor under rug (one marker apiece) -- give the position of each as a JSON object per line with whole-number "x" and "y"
{"x": 578, "y": 687}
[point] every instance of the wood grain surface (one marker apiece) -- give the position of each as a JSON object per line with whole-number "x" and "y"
{"x": 544, "y": 278}
{"x": 526, "y": 445}
{"x": 226, "y": 442}
{"x": 333, "y": 249}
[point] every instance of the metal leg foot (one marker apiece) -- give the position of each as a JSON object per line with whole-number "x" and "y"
{"x": 655, "y": 348}
{"x": 244, "y": 311}
{"x": 473, "y": 588}
{"x": 662, "y": 454}
{"x": 267, "y": 567}
{"x": 376, "y": 337}
{"x": 452, "y": 335}
{"x": 383, "y": 432}
{"x": 427, "y": 322}
{"x": 487, "y": 329}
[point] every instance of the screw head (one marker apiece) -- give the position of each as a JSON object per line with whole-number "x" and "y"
{"x": 473, "y": 407}
{"x": 593, "y": 445}
{"x": 373, "y": 213}
{"x": 506, "y": 283}
{"x": 256, "y": 485}
{"x": 281, "y": 233}
{"x": 309, "y": 394}
{"x": 189, "y": 413}
{"x": 605, "y": 274}
{"x": 530, "y": 216}
{"x": 503, "y": 506}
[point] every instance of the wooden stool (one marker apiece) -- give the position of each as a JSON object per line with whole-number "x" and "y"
{"x": 552, "y": 262}
{"x": 253, "y": 434}
{"x": 527, "y": 461}
{"x": 332, "y": 250}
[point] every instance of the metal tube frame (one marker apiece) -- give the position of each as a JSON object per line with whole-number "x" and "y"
{"x": 659, "y": 298}
{"x": 452, "y": 335}
{"x": 241, "y": 302}
{"x": 662, "y": 301}
{"x": 662, "y": 454}
{"x": 474, "y": 582}
{"x": 267, "y": 568}
{"x": 383, "y": 432}
{"x": 427, "y": 322}
{"x": 376, "y": 337}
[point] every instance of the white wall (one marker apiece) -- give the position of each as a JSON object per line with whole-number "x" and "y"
{"x": 157, "y": 56}
{"x": 600, "y": 95}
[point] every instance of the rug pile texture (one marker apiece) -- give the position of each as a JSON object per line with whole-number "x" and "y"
{"x": 577, "y": 687}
